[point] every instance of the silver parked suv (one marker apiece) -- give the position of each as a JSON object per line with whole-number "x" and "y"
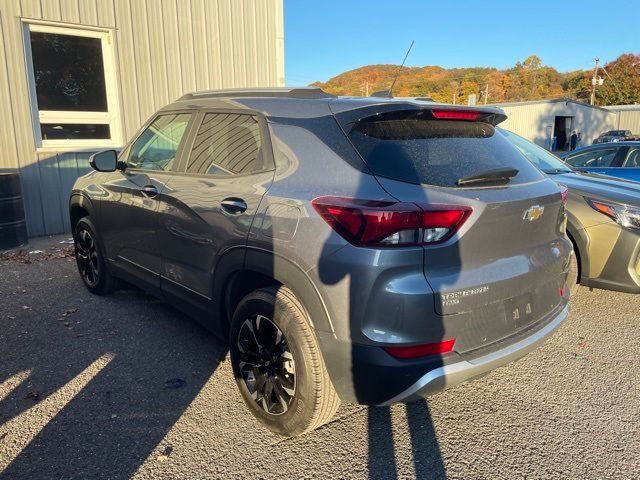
{"x": 361, "y": 249}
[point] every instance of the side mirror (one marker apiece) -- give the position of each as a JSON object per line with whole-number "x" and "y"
{"x": 105, "y": 161}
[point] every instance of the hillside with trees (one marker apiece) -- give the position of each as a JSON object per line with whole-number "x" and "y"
{"x": 526, "y": 80}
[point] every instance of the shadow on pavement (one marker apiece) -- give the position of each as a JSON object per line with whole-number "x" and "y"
{"x": 381, "y": 142}
{"x": 104, "y": 386}
{"x": 427, "y": 459}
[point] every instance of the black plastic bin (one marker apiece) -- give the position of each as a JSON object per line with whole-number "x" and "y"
{"x": 13, "y": 228}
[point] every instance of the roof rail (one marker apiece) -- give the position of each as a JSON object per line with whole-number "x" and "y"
{"x": 285, "y": 92}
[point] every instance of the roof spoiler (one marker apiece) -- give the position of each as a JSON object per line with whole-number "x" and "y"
{"x": 438, "y": 111}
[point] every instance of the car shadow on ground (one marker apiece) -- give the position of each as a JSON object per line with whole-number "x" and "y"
{"x": 427, "y": 458}
{"x": 93, "y": 398}
{"x": 91, "y": 386}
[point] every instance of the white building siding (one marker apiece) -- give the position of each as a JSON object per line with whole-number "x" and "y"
{"x": 629, "y": 120}
{"x": 628, "y": 117}
{"x": 162, "y": 48}
{"x": 531, "y": 120}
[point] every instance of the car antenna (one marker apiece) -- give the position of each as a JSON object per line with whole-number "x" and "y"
{"x": 389, "y": 93}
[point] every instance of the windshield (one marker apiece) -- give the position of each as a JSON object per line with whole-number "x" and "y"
{"x": 542, "y": 159}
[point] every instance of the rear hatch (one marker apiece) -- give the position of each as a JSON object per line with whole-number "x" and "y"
{"x": 503, "y": 268}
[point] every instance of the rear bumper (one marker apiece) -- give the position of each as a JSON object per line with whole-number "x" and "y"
{"x": 368, "y": 375}
{"x": 462, "y": 371}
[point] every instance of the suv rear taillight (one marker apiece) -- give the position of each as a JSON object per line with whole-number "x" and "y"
{"x": 375, "y": 223}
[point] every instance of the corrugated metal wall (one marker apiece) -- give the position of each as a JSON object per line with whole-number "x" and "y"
{"x": 163, "y": 48}
{"x": 629, "y": 120}
{"x": 531, "y": 120}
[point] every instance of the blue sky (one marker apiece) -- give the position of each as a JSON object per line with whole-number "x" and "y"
{"x": 323, "y": 39}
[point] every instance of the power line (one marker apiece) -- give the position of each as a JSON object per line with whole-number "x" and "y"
{"x": 614, "y": 84}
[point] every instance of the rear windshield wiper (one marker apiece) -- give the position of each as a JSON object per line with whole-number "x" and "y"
{"x": 494, "y": 176}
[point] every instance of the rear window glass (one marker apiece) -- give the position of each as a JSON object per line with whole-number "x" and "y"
{"x": 412, "y": 147}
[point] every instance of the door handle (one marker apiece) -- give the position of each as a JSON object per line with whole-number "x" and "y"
{"x": 233, "y": 205}
{"x": 150, "y": 190}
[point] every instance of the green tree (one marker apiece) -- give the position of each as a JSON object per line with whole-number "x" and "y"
{"x": 577, "y": 85}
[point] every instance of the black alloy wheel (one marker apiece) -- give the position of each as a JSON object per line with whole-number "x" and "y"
{"x": 87, "y": 256}
{"x": 266, "y": 364}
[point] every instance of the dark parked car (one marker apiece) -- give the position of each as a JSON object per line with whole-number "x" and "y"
{"x": 615, "y": 136}
{"x": 603, "y": 222}
{"x": 620, "y": 159}
{"x": 367, "y": 250}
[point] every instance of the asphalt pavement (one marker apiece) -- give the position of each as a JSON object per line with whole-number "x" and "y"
{"x": 125, "y": 386}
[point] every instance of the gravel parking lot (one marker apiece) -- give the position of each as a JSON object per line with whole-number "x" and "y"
{"x": 125, "y": 386}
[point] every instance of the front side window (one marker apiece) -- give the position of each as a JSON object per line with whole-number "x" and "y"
{"x": 597, "y": 158}
{"x": 227, "y": 144}
{"x": 157, "y": 146}
{"x": 72, "y": 83}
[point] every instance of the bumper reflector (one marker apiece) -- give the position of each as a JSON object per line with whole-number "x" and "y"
{"x": 417, "y": 351}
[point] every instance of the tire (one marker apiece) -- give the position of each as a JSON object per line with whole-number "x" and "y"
{"x": 285, "y": 384}
{"x": 572, "y": 277}
{"x": 90, "y": 259}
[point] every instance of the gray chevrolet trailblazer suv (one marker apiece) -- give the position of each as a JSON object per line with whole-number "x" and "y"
{"x": 359, "y": 249}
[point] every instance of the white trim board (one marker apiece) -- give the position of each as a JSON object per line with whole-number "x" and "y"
{"x": 111, "y": 118}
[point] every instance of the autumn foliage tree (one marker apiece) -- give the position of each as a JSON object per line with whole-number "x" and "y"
{"x": 526, "y": 80}
{"x": 621, "y": 81}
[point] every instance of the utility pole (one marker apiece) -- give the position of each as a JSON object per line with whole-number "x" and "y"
{"x": 486, "y": 93}
{"x": 594, "y": 81}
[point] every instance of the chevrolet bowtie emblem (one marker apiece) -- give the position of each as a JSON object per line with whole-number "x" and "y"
{"x": 533, "y": 213}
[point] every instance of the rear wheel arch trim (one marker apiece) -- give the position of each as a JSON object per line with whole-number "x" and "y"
{"x": 288, "y": 274}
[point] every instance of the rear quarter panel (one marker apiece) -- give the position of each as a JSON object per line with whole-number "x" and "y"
{"x": 310, "y": 162}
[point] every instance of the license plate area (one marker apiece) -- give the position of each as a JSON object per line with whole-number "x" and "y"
{"x": 520, "y": 311}
{"x": 494, "y": 322}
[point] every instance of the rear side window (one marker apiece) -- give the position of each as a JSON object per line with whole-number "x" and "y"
{"x": 412, "y": 147}
{"x": 597, "y": 158}
{"x": 227, "y": 144}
